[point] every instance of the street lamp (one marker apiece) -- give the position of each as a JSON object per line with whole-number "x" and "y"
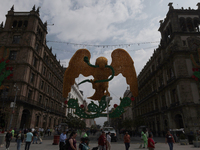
{"x": 13, "y": 106}
{"x": 108, "y": 98}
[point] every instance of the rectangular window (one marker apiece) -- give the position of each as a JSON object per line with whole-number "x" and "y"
{"x": 49, "y": 75}
{"x": 37, "y": 47}
{"x": 48, "y": 89}
{"x": 13, "y": 55}
{"x": 35, "y": 62}
{"x": 46, "y": 102}
{"x": 40, "y": 99}
{"x": 44, "y": 70}
{"x": 42, "y": 85}
{"x": 30, "y": 94}
{"x": 184, "y": 43}
{"x": 32, "y": 77}
{"x": 174, "y": 96}
{"x": 51, "y": 104}
{"x": 16, "y": 39}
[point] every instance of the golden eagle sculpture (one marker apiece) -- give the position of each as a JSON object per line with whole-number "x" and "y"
{"x": 101, "y": 71}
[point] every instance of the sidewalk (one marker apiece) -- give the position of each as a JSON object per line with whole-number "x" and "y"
{"x": 47, "y": 145}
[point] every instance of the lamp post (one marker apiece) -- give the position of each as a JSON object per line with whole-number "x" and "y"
{"x": 13, "y": 107}
{"x": 108, "y": 98}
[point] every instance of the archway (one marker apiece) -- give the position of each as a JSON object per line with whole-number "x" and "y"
{"x": 25, "y": 120}
{"x": 179, "y": 121}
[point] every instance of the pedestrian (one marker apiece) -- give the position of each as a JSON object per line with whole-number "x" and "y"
{"x": 127, "y": 140}
{"x": 80, "y": 147}
{"x": 72, "y": 141}
{"x": 151, "y": 143}
{"x": 141, "y": 138}
{"x": 13, "y": 132}
{"x": 29, "y": 139}
{"x": 48, "y": 131}
{"x": 84, "y": 144}
{"x": 63, "y": 137}
{"x": 108, "y": 138}
{"x": 144, "y": 137}
{"x": 8, "y": 138}
{"x": 102, "y": 141}
{"x": 35, "y": 136}
{"x": 169, "y": 139}
{"x": 19, "y": 139}
{"x": 150, "y": 132}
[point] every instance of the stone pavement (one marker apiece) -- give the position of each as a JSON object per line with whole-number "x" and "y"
{"x": 47, "y": 145}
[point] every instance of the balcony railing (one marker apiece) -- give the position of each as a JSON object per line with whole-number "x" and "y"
{"x": 175, "y": 104}
{"x": 164, "y": 108}
{"x": 171, "y": 79}
{"x": 34, "y": 103}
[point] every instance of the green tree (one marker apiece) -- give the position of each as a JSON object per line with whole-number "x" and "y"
{"x": 75, "y": 122}
{"x": 106, "y": 124}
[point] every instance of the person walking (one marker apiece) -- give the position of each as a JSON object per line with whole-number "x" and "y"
{"x": 13, "y": 132}
{"x": 151, "y": 143}
{"x": 8, "y": 138}
{"x": 19, "y": 139}
{"x": 169, "y": 139}
{"x": 102, "y": 141}
{"x": 144, "y": 137}
{"x": 127, "y": 140}
{"x": 35, "y": 136}
{"x": 72, "y": 141}
{"x": 63, "y": 137}
{"x": 108, "y": 141}
{"x": 84, "y": 144}
{"x": 29, "y": 139}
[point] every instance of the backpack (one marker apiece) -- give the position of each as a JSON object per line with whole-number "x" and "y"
{"x": 85, "y": 147}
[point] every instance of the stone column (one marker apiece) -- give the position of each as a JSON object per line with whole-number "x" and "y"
{"x": 20, "y": 111}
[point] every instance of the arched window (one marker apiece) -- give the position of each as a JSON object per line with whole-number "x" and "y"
{"x": 25, "y": 24}
{"x": 20, "y": 24}
{"x": 190, "y": 24}
{"x": 182, "y": 24}
{"x": 196, "y": 24}
{"x": 14, "y": 25}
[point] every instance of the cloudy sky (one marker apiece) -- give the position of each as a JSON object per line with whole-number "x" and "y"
{"x": 101, "y": 26}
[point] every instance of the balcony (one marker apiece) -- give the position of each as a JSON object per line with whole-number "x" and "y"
{"x": 151, "y": 112}
{"x": 171, "y": 79}
{"x": 164, "y": 108}
{"x": 175, "y": 104}
{"x": 33, "y": 103}
{"x": 147, "y": 97}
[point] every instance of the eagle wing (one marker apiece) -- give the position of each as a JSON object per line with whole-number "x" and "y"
{"x": 123, "y": 63}
{"x": 77, "y": 66}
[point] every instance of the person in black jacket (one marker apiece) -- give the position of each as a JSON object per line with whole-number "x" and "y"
{"x": 19, "y": 139}
{"x": 8, "y": 138}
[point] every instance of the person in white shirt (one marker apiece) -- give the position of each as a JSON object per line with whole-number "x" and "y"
{"x": 108, "y": 138}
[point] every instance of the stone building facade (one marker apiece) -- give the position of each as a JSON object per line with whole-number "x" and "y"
{"x": 168, "y": 95}
{"x": 36, "y": 72}
{"x": 128, "y": 110}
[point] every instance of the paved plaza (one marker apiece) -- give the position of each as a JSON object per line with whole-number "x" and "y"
{"x": 135, "y": 142}
{"x": 47, "y": 145}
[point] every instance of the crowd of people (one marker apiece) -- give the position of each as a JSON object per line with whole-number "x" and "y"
{"x": 33, "y": 135}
